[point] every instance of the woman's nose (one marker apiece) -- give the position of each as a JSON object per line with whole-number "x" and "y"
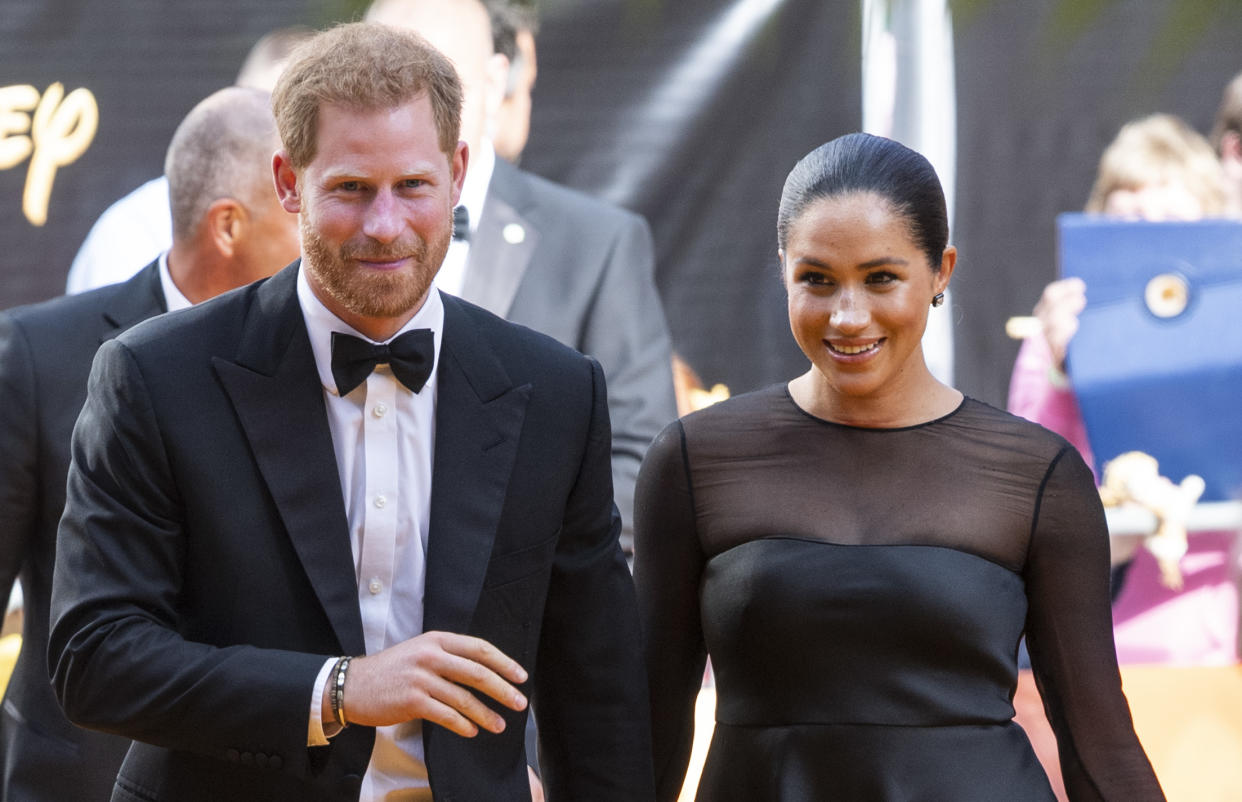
{"x": 849, "y": 316}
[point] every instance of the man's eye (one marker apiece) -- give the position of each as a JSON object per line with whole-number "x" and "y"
{"x": 349, "y": 186}
{"x": 413, "y": 183}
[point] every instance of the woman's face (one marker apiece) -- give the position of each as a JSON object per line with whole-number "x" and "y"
{"x": 1164, "y": 200}
{"x": 859, "y": 291}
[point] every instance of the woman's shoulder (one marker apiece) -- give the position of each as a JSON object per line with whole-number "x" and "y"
{"x": 743, "y": 410}
{"x": 983, "y": 422}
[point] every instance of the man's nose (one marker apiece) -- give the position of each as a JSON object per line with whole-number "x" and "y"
{"x": 384, "y": 219}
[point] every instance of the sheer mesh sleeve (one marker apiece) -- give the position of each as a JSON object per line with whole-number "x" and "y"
{"x": 668, "y": 564}
{"x": 1070, "y": 637}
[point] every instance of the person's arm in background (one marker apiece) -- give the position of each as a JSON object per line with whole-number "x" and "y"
{"x": 627, "y": 332}
{"x": 19, "y": 483}
{"x": 1039, "y": 390}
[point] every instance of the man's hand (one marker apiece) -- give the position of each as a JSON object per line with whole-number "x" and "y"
{"x": 433, "y": 676}
{"x": 1058, "y": 309}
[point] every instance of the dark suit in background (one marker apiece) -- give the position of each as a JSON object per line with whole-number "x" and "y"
{"x": 582, "y": 271}
{"x": 45, "y": 357}
{"x": 205, "y": 571}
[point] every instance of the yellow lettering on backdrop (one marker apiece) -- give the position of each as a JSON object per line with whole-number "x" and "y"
{"x": 60, "y": 130}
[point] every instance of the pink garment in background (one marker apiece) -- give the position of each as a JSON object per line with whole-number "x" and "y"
{"x": 1151, "y": 624}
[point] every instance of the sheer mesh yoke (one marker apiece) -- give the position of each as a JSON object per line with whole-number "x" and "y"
{"x": 862, "y": 593}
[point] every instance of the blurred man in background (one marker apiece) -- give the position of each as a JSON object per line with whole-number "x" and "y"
{"x": 548, "y": 257}
{"x": 135, "y": 229}
{"x": 228, "y": 229}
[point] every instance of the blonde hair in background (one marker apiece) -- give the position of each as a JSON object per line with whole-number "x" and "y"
{"x": 1159, "y": 149}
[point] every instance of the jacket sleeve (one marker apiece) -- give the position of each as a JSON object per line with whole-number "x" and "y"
{"x": 19, "y": 484}
{"x": 117, "y": 655}
{"x": 627, "y": 332}
{"x": 590, "y": 689}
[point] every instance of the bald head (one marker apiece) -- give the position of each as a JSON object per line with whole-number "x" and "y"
{"x": 461, "y": 30}
{"x": 222, "y": 149}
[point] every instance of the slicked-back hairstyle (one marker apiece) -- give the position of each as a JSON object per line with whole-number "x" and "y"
{"x": 1158, "y": 149}
{"x": 860, "y": 163}
{"x": 222, "y": 149}
{"x": 1229, "y": 115}
{"x": 367, "y": 66}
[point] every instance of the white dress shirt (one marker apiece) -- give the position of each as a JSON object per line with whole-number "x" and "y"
{"x": 174, "y": 299}
{"x": 452, "y": 275}
{"x": 384, "y": 438}
{"x": 125, "y": 238}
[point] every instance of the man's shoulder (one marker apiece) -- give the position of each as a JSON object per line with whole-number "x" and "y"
{"x": 566, "y": 202}
{"x": 513, "y": 342}
{"x": 193, "y": 329}
{"x": 64, "y": 315}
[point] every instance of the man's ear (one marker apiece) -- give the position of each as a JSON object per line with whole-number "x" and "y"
{"x": 497, "y": 72}
{"x": 286, "y": 179}
{"x": 225, "y": 221}
{"x": 458, "y": 164}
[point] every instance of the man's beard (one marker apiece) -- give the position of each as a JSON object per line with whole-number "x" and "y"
{"x": 374, "y": 293}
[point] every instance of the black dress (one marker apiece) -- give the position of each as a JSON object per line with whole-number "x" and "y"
{"x": 862, "y": 593}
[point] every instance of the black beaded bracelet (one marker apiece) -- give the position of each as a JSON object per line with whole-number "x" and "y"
{"x": 336, "y": 691}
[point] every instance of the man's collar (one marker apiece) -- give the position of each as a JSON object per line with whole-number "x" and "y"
{"x": 174, "y": 299}
{"x": 321, "y": 322}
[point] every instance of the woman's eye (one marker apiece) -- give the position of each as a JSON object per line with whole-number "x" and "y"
{"x": 816, "y": 279}
{"x": 882, "y": 277}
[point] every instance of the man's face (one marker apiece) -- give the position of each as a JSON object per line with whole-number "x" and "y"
{"x": 376, "y": 206}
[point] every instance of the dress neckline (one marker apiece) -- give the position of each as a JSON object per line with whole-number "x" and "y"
{"x": 788, "y": 396}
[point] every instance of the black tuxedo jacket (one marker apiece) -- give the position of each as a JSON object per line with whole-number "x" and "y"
{"x": 582, "y": 271}
{"x": 205, "y": 571}
{"x": 45, "y": 357}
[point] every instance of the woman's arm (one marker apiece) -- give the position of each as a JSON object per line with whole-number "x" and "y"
{"x": 668, "y": 563}
{"x": 1070, "y": 637}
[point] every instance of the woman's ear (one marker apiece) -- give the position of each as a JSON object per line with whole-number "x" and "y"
{"x": 948, "y": 261}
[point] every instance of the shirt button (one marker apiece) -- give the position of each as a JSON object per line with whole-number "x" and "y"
{"x": 375, "y": 586}
{"x": 380, "y": 501}
{"x": 379, "y": 410}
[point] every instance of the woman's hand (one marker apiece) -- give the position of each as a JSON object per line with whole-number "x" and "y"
{"x": 1057, "y": 311}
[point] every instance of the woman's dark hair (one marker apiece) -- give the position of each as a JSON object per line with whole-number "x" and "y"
{"x": 866, "y": 163}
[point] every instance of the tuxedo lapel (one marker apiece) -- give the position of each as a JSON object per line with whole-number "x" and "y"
{"x": 502, "y": 246}
{"x": 479, "y": 416}
{"x": 275, "y": 390}
{"x": 139, "y": 298}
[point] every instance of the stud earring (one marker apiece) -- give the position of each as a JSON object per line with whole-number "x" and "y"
{"x": 938, "y": 299}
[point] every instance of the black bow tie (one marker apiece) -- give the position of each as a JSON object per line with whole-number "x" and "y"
{"x": 461, "y": 223}
{"x": 410, "y": 357}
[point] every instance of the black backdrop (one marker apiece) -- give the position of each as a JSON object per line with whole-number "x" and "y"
{"x": 691, "y": 112}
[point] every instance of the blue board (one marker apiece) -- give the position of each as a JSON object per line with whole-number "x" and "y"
{"x": 1157, "y": 360}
